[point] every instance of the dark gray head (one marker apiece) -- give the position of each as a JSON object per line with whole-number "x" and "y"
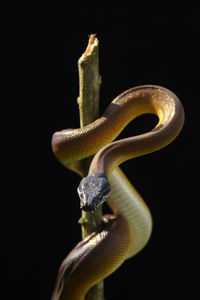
{"x": 93, "y": 191}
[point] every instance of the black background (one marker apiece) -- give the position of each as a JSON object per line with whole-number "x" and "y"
{"x": 141, "y": 44}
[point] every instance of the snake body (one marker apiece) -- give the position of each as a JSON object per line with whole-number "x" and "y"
{"x": 126, "y": 232}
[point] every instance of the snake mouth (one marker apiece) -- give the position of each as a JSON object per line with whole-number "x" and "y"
{"x": 88, "y": 208}
{"x": 93, "y": 191}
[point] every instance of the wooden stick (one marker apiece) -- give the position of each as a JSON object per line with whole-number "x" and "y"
{"x": 88, "y": 101}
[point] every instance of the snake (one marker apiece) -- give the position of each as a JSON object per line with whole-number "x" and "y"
{"x": 126, "y": 231}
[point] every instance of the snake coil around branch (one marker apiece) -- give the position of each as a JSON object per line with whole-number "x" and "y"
{"x": 125, "y": 232}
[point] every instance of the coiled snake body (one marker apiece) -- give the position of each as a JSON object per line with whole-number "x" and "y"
{"x": 125, "y": 233}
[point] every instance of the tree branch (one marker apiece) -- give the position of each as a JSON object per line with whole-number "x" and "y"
{"x": 88, "y": 100}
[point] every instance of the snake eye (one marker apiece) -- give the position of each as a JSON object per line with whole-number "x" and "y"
{"x": 93, "y": 191}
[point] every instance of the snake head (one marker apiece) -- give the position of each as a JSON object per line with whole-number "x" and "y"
{"x": 93, "y": 191}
